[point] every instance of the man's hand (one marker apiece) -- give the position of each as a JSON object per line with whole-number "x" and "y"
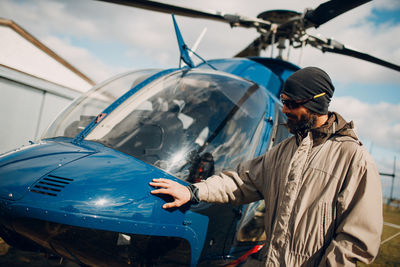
{"x": 180, "y": 193}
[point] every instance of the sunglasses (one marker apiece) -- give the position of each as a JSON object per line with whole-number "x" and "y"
{"x": 293, "y": 104}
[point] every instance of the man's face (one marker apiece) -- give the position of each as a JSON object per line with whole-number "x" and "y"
{"x": 300, "y": 119}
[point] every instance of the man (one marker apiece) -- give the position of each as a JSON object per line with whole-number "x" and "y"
{"x": 322, "y": 192}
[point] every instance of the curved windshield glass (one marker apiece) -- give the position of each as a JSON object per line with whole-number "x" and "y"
{"x": 82, "y": 111}
{"x": 190, "y": 123}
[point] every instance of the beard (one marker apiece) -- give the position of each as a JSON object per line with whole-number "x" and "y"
{"x": 303, "y": 125}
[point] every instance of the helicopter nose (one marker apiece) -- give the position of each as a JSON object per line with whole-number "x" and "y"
{"x": 21, "y": 168}
{"x": 107, "y": 191}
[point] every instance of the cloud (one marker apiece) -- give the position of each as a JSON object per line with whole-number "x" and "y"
{"x": 378, "y": 123}
{"x": 146, "y": 39}
{"x": 149, "y": 41}
{"x": 150, "y": 34}
{"x": 357, "y": 30}
{"x": 46, "y": 17}
{"x": 378, "y": 127}
{"x": 87, "y": 62}
{"x": 387, "y": 4}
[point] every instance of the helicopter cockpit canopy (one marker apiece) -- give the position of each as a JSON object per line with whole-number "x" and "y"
{"x": 85, "y": 108}
{"x": 177, "y": 122}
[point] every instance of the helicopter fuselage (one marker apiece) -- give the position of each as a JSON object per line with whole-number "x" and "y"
{"x": 83, "y": 191}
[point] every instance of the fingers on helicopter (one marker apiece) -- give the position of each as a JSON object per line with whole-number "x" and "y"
{"x": 82, "y": 191}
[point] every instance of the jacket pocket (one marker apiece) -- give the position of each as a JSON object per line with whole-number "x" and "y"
{"x": 310, "y": 232}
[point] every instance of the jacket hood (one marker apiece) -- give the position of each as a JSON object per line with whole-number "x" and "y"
{"x": 335, "y": 125}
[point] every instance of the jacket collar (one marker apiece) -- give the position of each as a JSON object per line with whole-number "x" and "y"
{"x": 334, "y": 126}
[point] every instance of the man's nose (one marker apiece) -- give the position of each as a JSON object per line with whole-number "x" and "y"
{"x": 285, "y": 109}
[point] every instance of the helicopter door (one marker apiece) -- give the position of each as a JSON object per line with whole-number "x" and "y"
{"x": 280, "y": 131}
{"x": 251, "y": 228}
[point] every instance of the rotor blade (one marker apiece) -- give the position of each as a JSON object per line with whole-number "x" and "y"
{"x": 329, "y": 45}
{"x": 363, "y": 56}
{"x": 232, "y": 19}
{"x": 169, "y": 9}
{"x": 330, "y": 10}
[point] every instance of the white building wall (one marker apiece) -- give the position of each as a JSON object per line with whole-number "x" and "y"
{"x": 27, "y": 106}
{"x": 18, "y": 104}
{"x": 35, "y": 85}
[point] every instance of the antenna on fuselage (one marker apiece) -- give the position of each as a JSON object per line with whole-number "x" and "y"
{"x": 183, "y": 48}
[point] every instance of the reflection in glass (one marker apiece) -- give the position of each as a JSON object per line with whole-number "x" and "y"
{"x": 252, "y": 228}
{"x": 190, "y": 123}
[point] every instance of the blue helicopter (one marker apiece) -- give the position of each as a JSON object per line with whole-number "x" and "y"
{"x": 83, "y": 191}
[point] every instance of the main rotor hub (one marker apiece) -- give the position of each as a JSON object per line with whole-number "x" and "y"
{"x": 278, "y": 16}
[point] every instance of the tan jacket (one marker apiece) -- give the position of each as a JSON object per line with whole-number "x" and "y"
{"x": 323, "y": 203}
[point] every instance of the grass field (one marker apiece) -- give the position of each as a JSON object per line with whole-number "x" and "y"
{"x": 389, "y": 254}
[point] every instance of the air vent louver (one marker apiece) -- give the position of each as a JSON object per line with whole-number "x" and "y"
{"x": 50, "y": 185}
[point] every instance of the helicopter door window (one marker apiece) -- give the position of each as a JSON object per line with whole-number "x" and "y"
{"x": 281, "y": 132}
{"x": 251, "y": 227}
{"x": 189, "y": 123}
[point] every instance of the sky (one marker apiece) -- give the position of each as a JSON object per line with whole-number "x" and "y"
{"x": 103, "y": 39}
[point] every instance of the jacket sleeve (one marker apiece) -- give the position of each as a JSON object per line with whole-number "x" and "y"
{"x": 359, "y": 216}
{"x": 235, "y": 187}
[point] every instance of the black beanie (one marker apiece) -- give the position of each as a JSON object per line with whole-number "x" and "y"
{"x": 308, "y": 82}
